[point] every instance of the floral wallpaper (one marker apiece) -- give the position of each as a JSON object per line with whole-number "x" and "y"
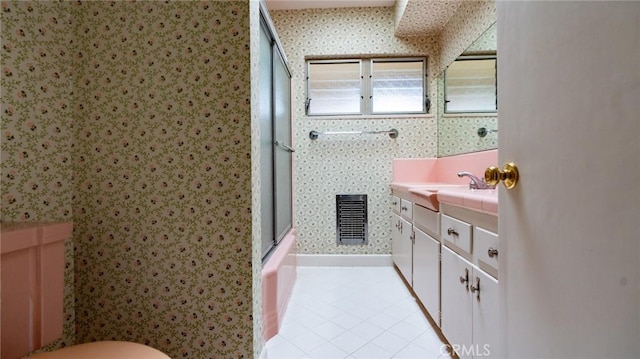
{"x": 133, "y": 119}
{"x": 426, "y": 17}
{"x": 469, "y": 21}
{"x": 334, "y": 165}
{"x": 37, "y": 123}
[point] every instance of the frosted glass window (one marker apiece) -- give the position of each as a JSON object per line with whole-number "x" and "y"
{"x": 334, "y": 88}
{"x": 470, "y": 86}
{"x": 397, "y": 86}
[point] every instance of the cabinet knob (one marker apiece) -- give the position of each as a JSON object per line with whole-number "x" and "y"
{"x": 476, "y": 287}
{"x": 465, "y": 278}
{"x": 452, "y": 231}
{"x": 404, "y": 208}
{"x": 394, "y": 203}
{"x": 492, "y": 252}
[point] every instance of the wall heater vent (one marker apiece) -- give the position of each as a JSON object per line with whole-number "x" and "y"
{"x": 351, "y": 221}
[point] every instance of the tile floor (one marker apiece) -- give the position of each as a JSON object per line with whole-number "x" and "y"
{"x": 353, "y": 313}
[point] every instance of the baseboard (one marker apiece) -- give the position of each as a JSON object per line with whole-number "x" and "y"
{"x": 344, "y": 260}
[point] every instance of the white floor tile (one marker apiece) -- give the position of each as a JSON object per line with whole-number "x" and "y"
{"x": 349, "y": 342}
{"x": 398, "y": 312}
{"x": 391, "y": 342}
{"x": 418, "y": 320}
{"x": 367, "y": 331}
{"x": 353, "y": 313}
{"x": 413, "y": 351}
{"x": 327, "y": 351}
{"x": 406, "y": 330}
{"x": 290, "y": 330}
{"x": 328, "y": 330}
{"x": 383, "y": 320}
{"x": 346, "y": 320}
{"x": 309, "y": 341}
{"x": 329, "y": 311}
{"x": 308, "y": 319}
{"x": 372, "y": 351}
{"x": 285, "y": 351}
{"x": 429, "y": 340}
{"x": 274, "y": 341}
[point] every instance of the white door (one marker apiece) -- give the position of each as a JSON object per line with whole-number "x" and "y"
{"x": 569, "y": 117}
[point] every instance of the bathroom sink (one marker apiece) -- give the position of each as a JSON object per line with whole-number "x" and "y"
{"x": 427, "y": 195}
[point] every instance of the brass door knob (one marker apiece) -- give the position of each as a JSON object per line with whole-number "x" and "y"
{"x": 509, "y": 175}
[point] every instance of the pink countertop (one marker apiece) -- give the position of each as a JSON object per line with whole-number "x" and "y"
{"x": 429, "y": 181}
{"x": 483, "y": 200}
{"x": 422, "y": 193}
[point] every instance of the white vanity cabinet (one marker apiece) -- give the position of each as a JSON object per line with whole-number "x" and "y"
{"x": 416, "y": 250}
{"x": 469, "y": 307}
{"x": 469, "y": 285}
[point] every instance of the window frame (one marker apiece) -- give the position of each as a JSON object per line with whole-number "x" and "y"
{"x": 366, "y": 86}
{"x": 334, "y": 61}
{"x": 468, "y": 58}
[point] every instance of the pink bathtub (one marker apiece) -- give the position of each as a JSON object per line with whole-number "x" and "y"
{"x": 278, "y": 278}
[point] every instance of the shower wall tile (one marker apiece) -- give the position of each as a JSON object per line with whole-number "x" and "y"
{"x": 349, "y": 164}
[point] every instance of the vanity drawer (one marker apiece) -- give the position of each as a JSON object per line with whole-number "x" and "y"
{"x": 427, "y": 220}
{"x": 406, "y": 209}
{"x": 486, "y": 246}
{"x": 395, "y": 204}
{"x": 456, "y": 232}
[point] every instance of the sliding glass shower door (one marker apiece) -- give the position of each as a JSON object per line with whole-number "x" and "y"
{"x": 275, "y": 144}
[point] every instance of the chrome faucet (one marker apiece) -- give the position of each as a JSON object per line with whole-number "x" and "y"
{"x": 476, "y": 183}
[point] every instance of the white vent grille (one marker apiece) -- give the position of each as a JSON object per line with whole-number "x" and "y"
{"x": 351, "y": 221}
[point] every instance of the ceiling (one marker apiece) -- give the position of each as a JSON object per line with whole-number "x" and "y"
{"x": 419, "y": 17}
{"x": 318, "y": 4}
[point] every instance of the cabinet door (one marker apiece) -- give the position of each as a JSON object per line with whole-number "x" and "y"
{"x": 406, "y": 251}
{"x": 426, "y": 272}
{"x": 456, "y": 303}
{"x": 402, "y": 246}
{"x": 485, "y": 314}
{"x": 396, "y": 237}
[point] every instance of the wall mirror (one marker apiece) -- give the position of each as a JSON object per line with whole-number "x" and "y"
{"x": 467, "y": 105}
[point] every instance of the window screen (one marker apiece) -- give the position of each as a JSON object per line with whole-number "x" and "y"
{"x": 334, "y": 88}
{"x": 470, "y": 86}
{"x": 397, "y": 86}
